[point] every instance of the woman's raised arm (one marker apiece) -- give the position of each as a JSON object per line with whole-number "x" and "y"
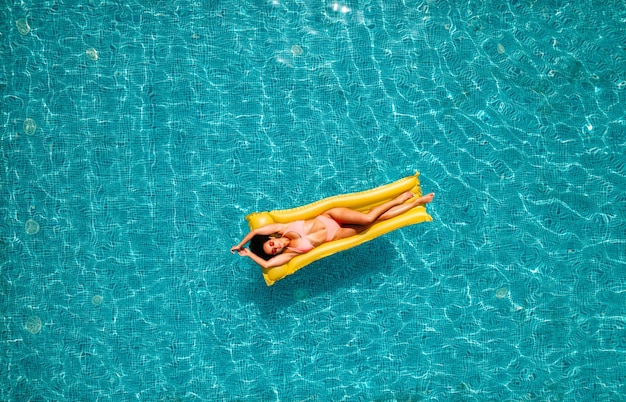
{"x": 264, "y": 230}
{"x": 272, "y": 262}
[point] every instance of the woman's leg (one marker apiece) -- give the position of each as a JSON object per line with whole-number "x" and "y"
{"x": 347, "y": 216}
{"x": 349, "y": 228}
{"x": 400, "y": 209}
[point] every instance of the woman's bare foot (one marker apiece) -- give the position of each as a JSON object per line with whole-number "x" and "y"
{"x": 425, "y": 199}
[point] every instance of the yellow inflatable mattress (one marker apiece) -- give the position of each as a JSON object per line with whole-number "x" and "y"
{"x": 361, "y": 201}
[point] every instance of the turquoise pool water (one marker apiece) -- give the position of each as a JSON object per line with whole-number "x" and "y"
{"x": 136, "y": 137}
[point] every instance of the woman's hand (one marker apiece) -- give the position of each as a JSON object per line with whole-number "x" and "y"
{"x": 244, "y": 252}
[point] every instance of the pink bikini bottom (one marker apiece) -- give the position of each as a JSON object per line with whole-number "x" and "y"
{"x": 331, "y": 226}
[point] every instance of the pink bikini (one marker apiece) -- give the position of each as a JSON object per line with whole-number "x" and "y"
{"x": 297, "y": 227}
{"x": 331, "y": 226}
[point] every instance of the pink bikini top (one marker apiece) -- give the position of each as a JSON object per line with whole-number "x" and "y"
{"x": 297, "y": 227}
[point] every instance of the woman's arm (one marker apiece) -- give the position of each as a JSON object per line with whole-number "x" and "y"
{"x": 272, "y": 262}
{"x": 265, "y": 230}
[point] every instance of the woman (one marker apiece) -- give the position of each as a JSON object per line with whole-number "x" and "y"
{"x": 277, "y": 243}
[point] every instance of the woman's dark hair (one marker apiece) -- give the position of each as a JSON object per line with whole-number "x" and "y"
{"x": 256, "y": 246}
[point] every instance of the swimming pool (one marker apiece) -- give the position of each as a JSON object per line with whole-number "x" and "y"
{"x": 137, "y": 137}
